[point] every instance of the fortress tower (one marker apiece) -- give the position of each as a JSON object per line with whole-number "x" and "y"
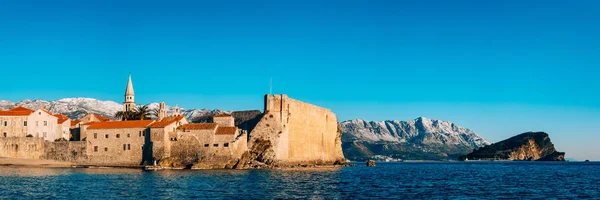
{"x": 129, "y": 104}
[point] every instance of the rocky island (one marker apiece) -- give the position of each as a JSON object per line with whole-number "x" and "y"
{"x": 530, "y": 146}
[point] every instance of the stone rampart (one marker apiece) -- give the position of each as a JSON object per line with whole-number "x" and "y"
{"x": 299, "y": 132}
{"x": 22, "y": 147}
{"x": 74, "y": 151}
{"x": 37, "y": 148}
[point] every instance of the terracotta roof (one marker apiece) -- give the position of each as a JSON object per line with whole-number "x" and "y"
{"x": 223, "y": 115}
{"x": 75, "y": 122}
{"x": 201, "y": 126}
{"x": 101, "y": 118}
{"x": 18, "y": 111}
{"x": 52, "y": 114}
{"x": 166, "y": 121}
{"x": 121, "y": 124}
{"x": 21, "y": 108}
{"x": 226, "y": 131}
{"x": 61, "y": 118}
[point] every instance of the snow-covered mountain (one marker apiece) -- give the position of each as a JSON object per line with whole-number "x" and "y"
{"x": 76, "y": 108}
{"x": 421, "y": 139}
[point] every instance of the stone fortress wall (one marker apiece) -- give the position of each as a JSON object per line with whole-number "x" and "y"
{"x": 299, "y": 132}
{"x": 37, "y": 148}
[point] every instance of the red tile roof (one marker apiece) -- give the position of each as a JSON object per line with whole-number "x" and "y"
{"x": 226, "y": 131}
{"x": 201, "y": 126}
{"x": 21, "y": 108}
{"x": 101, "y": 118}
{"x": 18, "y": 111}
{"x": 223, "y": 115}
{"x": 47, "y": 112}
{"x": 121, "y": 124}
{"x": 75, "y": 122}
{"x": 166, "y": 121}
{"x": 61, "y": 118}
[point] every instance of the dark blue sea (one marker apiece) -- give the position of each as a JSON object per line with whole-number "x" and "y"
{"x": 436, "y": 180}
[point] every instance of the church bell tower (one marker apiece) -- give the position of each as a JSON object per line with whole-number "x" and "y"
{"x": 129, "y": 104}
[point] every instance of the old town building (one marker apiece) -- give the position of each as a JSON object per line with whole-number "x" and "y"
{"x": 23, "y": 122}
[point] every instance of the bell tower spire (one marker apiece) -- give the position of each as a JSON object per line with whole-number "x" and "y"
{"x": 129, "y": 103}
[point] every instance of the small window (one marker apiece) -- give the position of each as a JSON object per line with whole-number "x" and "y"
{"x": 5, "y": 123}
{"x": 226, "y": 145}
{"x": 144, "y": 133}
{"x": 95, "y": 135}
{"x": 118, "y": 135}
{"x": 45, "y": 123}
{"x": 24, "y": 123}
{"x": 95, "y": 148}
{"x": 45, "y": 134}
{"x": 128, "y": 146}
{"x": 106, "y": 136}
{"x": 140, "y": 133}
{"x": 105, "y": 148}
{"x": 128, "y": 135}
{"x": 215, "y": 145}
{"x": 5, "y": 134}
{"x": 206, "y": 145}
{"x": 39, "y": 113}
{"x": 124, "y": 147}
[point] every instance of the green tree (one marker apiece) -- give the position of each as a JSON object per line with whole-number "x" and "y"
{"x": 143, "y": 112}
{"x": 126, "y": 115}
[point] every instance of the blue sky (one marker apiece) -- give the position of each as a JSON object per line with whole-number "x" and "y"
{"x": 497, "y": 67}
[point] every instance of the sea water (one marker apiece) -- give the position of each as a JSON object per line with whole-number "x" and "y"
{"x": 426, "y": 180}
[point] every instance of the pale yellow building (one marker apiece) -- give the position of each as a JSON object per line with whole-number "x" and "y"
{"x": 23, "y": 122}
{"x": 79, "y": 129}
{"x": 64, "y": 126}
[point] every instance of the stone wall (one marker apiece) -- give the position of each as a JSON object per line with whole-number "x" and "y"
{"x": 22, "y": 147}
{"x": 204, "y": 149}
{"x": 37, "y": 148}
{"x": 74, "y": 151}
{"x": 224, "y": 121}
{"x": 299, "y": 132}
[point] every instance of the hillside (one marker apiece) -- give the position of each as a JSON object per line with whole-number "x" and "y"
{"x": 419, "y": 139}
{"x": 531, "y": 146}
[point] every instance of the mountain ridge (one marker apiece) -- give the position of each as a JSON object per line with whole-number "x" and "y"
{"x": 418, "y": 139}
{"x": 78, "y": 107}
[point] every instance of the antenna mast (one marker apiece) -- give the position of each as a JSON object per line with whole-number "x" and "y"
{"x": 271, "y": 87}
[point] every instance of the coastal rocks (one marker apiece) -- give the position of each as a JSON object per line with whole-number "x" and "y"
{"x": 260, "y": 154}
{"x": 171, "y": 163}
{"x": 370, "y": 163}
{"x": 531, "y": 146}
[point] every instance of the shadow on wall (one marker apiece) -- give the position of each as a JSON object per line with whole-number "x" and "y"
{"x": 147, "y": 153}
